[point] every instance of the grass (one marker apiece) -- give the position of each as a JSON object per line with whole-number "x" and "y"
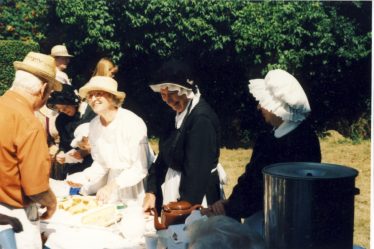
{"x": 336, "y": 150}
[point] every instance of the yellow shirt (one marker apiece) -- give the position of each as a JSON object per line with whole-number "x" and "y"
{"x": 24, "y": 158}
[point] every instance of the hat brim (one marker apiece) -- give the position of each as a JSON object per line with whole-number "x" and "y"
{"x": 19, "y": 65}
{"x": 158, "y": 87}
{"x": 85, "y": 89}
{"x": 62, "y": 55}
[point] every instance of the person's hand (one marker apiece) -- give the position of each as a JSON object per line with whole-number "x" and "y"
{"x": 84, "y": 144}
{"x": 105, "y": 192}
{"x": 218, "y": 208}
{"x": 206, "y": 211}
{"x": 51, "y": 205}
{"x": 14, "y": 222}
{"x": 52, "y": 152}
{"x": 51, "y": 209}
{"x": 76, "y": 154}
{"x": 149, "y": 202}
{"x": 74, "y": 184}
{"x": 60, "y": 157}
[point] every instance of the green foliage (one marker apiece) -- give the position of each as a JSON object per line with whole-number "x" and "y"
{"x": 326, "y": 45}
{"x": 288, "y": 34}
{"x": 166, "y": 27}
{"x": 23, "y": 19}
{"x": 11, "y": 51}
{"x": 88, "y": 23}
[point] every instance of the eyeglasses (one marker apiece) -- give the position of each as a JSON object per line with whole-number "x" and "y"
{"x": 96, "y": 94}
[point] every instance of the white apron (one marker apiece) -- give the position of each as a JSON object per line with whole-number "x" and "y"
{"x": 170, "y": 187}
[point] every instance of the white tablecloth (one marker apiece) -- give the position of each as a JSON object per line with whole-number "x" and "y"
{"x": 63, "y": 236}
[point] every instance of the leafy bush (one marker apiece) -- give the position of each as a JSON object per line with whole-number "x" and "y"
{"x": 24, "y": 19}
{"x": 326, "y": 45}
{"x": 361, "y": 129}
{"x": 11, "y": 51}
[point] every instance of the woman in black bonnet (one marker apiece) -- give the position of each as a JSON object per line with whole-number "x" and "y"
{"x": 186, "y": 167}
{"x": 72, "y": 113}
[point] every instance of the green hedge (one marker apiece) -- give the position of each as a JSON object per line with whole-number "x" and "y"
{"x": 11, "y": 51}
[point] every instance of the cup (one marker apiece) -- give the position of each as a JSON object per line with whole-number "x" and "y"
{"x": 151, "y": 240}
{"x": 7, "y": 239}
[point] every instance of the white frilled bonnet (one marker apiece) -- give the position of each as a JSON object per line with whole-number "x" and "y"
{"x": 281, "y": 94}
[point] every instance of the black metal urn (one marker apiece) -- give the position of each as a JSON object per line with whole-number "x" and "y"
{"x": 309, "y": 206}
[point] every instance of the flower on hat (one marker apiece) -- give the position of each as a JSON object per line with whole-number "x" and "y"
{"x": 281, "y": 94}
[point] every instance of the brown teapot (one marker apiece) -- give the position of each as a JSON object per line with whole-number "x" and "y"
{"x": 173, "y": 213}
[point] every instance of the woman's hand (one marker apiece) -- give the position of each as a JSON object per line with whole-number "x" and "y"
{"x": 53, "y": 149}
{"x": 218, "y": 208}
{"x": 60, "y": 157}
{"x": 84, "y": 144}
{"x": 76, "y": 154}
{"x": 105, "y": 192}
{"x": 74, "y": 184}
{"x": 149, "y": 202}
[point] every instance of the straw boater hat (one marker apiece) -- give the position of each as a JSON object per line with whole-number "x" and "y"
{"x": 40, "y": 65}
{"x": 60, "y": 51}
{"x": 281, "y": 94}
{"x": 102, "y": 83}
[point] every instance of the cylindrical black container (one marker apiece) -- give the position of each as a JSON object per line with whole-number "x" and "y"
{"x": 309, "y": 206}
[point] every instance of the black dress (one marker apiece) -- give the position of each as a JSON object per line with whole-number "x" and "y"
{"x": 300, "y": 145}
{"x": 193, "y": 150}
{"x": 66, "y": 126}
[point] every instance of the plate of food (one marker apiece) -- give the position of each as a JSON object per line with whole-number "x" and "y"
{"x": 82, "y": 211}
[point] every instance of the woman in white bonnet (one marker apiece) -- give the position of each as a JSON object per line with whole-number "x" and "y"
{"x": 284, "y": 105}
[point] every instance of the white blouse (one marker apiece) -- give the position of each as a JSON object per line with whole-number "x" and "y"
{"x": 122, "y": 153}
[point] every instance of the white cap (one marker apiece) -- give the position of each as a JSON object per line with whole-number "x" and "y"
{"x": 281, "y": 94}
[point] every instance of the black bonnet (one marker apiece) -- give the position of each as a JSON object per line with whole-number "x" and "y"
{"x": 175, "y": 71}
{"x": 66, "y": 96}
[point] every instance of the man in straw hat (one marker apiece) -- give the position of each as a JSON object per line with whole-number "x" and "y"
{"x": 62, "y": 59}
{"x": 25, "y": 162}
